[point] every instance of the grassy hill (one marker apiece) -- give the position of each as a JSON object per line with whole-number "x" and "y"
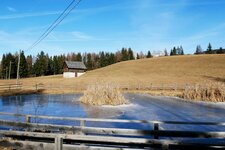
{"x": 166, "y": 70}
{"x": 180, "y": 70}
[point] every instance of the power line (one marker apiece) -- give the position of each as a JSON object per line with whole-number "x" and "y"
{"x": 63, "y": 15}
{"x": 52, "y": 24}
{"x": 59, "y": 19}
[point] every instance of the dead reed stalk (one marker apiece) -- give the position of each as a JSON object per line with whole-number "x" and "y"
{"x": 214, "y": 92}
{"x": 103, "y": 94}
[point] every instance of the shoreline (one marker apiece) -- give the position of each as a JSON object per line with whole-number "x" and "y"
{"x": 164, "y": 93}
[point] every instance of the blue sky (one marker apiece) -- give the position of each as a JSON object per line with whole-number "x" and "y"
{"x": 109, "y": 25}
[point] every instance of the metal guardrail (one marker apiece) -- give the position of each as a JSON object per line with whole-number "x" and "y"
{"x": 28, "y": 117}
{"x": 113, "y": 137}
{"x": 40, "y": 86}
{"x": 20, "y": 88}
{"x": 10, "y": 87}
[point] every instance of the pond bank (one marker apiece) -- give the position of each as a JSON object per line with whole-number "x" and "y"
{"x": 173, "y": 93}
{"x": 27, "y": 91}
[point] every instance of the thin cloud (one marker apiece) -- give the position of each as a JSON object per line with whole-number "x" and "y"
{"x": 218, "y": 2}
{"x": 24, "y": 15}
{"x": 81, "y": 35}
{"x": 47, "y": 13}
{"x": 179, "y": 3}
{"x": 11, "y": 9}
{"x": 10, "y": 40}
{"x": 69, "y": 37}
{"x": 81, "y": 11}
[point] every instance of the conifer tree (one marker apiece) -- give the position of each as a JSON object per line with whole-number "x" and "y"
{"x": 3, "y": 67}
{"x": 29, "y": 64}
{"x": 138, "y": 57}
{"x": 89, "y": 62}
{"x": 56, "y": 67}
{"x": 61, "y": 60}
{"x": 209, "y": 49}
{"x": 149, "y": 55}
{"x": 23, "y": 66}
{"x": 124, "y": 54}
{"x": 50, "y": 66}
{"x": 41, "y": 64}
{"x": 102, "y": 59}
{"x": 171, "y": 52}
{"x": 112, "y": 59}
{"x": 8, "y": 66}
{"x": 174, "y": 51}
{"x": 79, "y": 57}
{"x": 130, "y": 54}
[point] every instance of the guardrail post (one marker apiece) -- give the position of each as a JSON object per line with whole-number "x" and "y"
{"x": 82, "y": 123}
{"x": 27, "y": 119}
{"x": 58, "y": 143}
{"x": 156, "y": 128}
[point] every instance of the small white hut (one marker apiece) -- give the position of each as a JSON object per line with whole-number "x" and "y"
{"x": 73, "y": 69}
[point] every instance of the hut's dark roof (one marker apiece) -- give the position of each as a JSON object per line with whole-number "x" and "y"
{"x": 75, "y": 65}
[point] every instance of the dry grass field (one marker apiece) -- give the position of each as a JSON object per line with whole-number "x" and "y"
{"x": 164, "y": 70}
{"x": 137, "y": 74}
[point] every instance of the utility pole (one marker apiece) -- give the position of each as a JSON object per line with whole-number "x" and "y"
{"x": 10, "y": 65}
{"x": 18, "y": 69}
{"x": 6, "y": 73}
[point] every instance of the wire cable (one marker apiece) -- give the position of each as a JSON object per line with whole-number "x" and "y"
{"x": 59, "y": 19}
{"x": 52, "y": 24}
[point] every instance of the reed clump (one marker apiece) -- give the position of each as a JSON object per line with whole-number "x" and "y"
{"x": 214, "y": 92}
{"x": 103, "y": 94}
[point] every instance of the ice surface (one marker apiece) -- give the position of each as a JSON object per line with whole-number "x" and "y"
{"x": 142, "y": 107}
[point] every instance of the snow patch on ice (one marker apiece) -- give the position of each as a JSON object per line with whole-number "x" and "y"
{"x": 119, "y": 106}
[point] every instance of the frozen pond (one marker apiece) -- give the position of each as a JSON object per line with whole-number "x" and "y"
{"x": 142, "y": 107}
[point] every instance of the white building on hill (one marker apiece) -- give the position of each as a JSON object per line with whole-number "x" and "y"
{"x": 73, "y": 69}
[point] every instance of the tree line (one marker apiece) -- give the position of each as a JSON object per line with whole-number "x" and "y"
{"x": 177, "y": 51}
{"x": 209, "y": 50}
{"x": 43, "y": 64}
